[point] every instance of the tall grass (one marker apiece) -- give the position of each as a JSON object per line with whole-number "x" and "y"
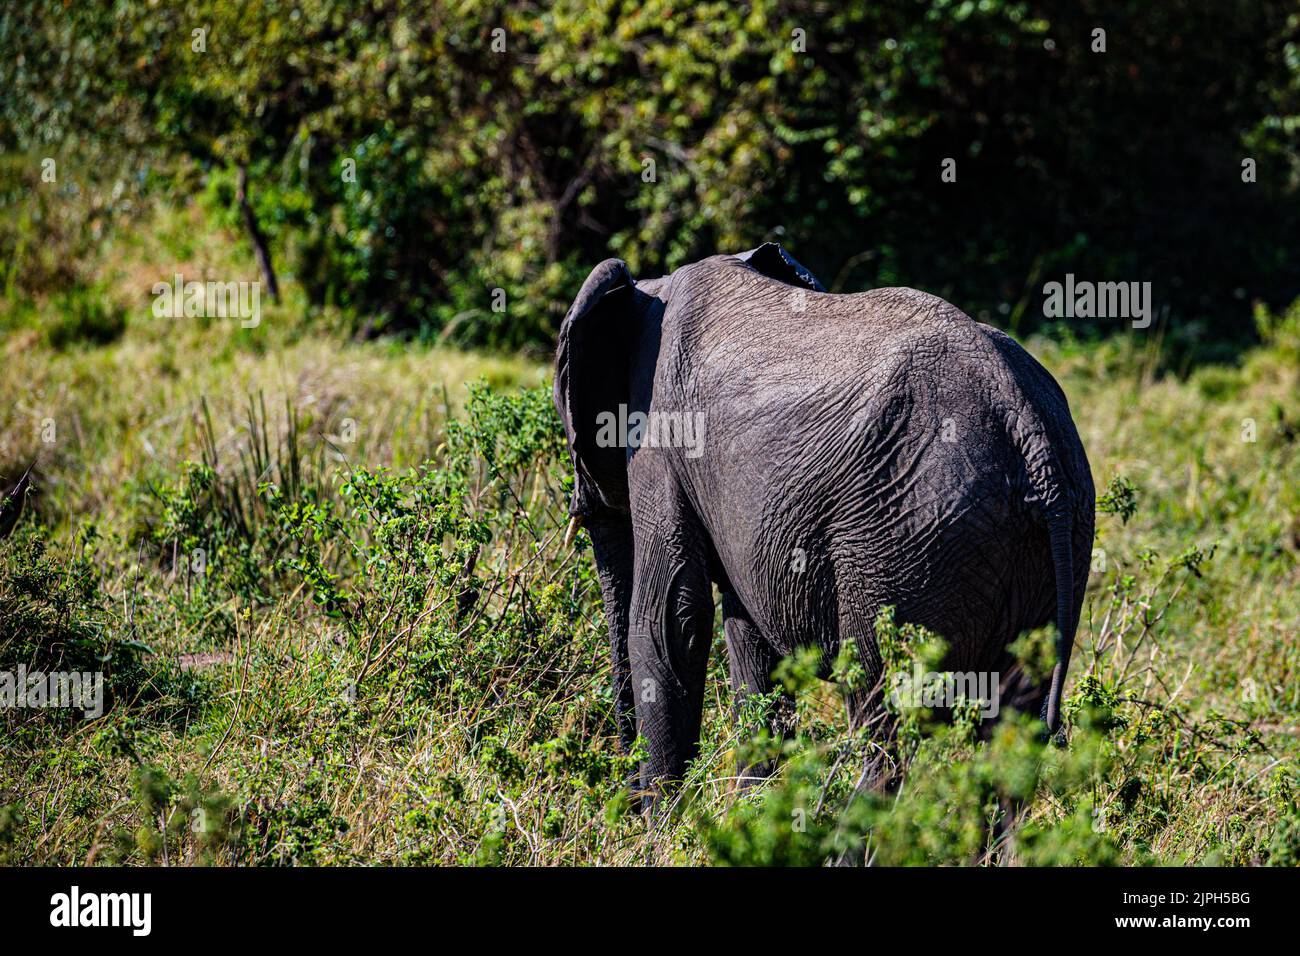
{"x": 327, "y": 587}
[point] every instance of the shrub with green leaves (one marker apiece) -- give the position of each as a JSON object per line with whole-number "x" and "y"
{"x": 405, "y": 665}
{"x": 412, "y": 163}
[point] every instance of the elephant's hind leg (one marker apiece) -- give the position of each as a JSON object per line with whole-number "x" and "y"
{"x": 870, "y": 720}
{"x": 751, "y": 661}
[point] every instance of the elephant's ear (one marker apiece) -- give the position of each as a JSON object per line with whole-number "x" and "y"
{"x": 591, "y": 380}
{"x": 772, "y": 260}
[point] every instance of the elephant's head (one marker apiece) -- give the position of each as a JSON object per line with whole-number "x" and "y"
{"x": 595, "y": 360}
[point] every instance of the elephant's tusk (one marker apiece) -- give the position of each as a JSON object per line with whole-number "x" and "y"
{"x": 572, "y": 532}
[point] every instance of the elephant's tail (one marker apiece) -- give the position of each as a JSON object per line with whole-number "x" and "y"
{"x": 1059, "y": 528}
{"x": 1056, "y": 502}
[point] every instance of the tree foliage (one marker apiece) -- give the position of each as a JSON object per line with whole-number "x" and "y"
{"x": 511, "y": 145}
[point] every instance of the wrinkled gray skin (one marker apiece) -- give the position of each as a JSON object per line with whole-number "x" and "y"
{"x": 913, "y": 456}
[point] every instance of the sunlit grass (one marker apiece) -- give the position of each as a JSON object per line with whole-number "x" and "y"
{"x": 467, "y": 720}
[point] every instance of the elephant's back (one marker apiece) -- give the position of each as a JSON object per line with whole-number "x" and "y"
{"x": 857, "y": 375}
{"x": 766, "y": 343}
{"x": 870, "y": 456}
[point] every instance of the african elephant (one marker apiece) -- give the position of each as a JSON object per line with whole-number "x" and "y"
{"x": 817, "y": 457}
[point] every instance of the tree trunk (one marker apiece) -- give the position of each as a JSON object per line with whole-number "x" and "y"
{"x": 255, "y": 235}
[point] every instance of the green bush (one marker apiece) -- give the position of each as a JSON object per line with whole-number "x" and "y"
{"x": 56, "y": 617}
{"x": 408, "y": 169}
{"x": 85, "y": 317}
{"x": 406, "y": 666}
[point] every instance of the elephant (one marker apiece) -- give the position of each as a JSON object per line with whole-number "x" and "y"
{"x": 817, "y": 457}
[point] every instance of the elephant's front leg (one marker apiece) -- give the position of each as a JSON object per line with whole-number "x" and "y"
{"x": 669, "y": 634}
{"x": 751, "y": 661}
{"x": 611, "y": 541}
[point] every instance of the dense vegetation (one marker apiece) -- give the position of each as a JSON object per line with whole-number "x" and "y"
{"x": 405, "y": 159}
{"x": 322, "y": 569}
{"x": 327, "y": 586}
